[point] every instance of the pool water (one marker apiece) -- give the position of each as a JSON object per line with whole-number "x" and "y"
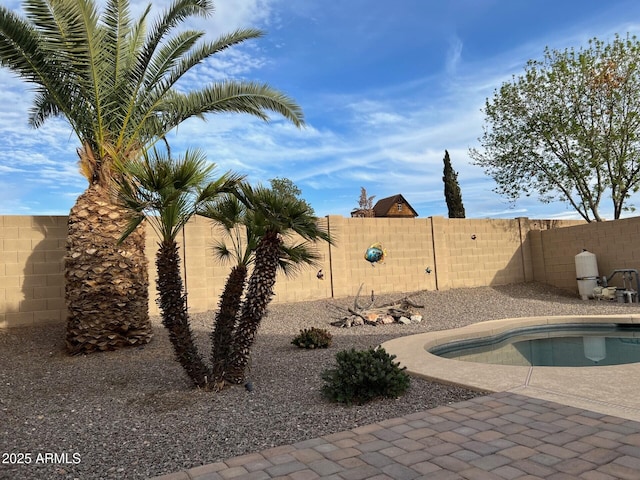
{"x": 562, "y": 345}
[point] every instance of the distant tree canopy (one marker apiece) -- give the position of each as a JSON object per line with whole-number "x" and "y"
{"x": 569, "y": 128}
{"x": 365, "y": 204}
{"x": 286, "y": 188}
{"x": 452, "y": 193}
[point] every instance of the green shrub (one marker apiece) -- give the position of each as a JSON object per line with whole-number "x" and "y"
{"x": 313, "y": 338}
{"x": 361, "y": 376}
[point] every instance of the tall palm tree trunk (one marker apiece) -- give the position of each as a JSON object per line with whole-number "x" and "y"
{"x": 173, "y": 306}
{"x": 225, "y": 322}
{"x": 106, "y": 283}
{"x": 259, "y": 294}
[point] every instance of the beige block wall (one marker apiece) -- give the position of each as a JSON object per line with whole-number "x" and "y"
{"x": 475, "y": 253}
{"x": 409, "y": 251}
{"x": 202, "y": 276}
{"x": 305, "y": 284}
{"x": 503, "y": 251}
{"x": 205, "y": 277}
{"x": 31, "y": 272}
{"x": 615, "y": 244}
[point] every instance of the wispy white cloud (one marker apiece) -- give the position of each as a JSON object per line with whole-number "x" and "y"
{"x": 454, "y": 54}
{"x": 387, "y": 131}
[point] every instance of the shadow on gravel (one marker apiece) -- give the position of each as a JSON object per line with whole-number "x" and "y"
{"x": 536, "y": 290}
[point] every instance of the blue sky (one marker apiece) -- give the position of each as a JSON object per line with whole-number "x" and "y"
{"x": 385, "y": 86}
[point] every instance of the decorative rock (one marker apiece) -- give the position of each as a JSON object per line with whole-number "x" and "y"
{"x": 386, "y": 319}
{"x": 416, "y": 318}
{"x": 404, "y": 320}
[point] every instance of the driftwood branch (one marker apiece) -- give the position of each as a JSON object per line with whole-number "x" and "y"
{"x": 356, "y": 303}
{"x": 402, "y": 310}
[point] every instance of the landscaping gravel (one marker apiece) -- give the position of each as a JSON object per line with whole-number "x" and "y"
{"x": 132, "y": 414}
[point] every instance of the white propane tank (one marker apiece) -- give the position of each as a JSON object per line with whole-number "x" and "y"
{"x": 586, "y": 274}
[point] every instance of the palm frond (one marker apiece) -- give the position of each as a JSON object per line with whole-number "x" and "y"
{"x": 226, "y": 211}
{"x": 168, "y": 192}
{"x": 295, "y": 258}
{"x": 231, "y": 96}
{"x": 43, "y": 107}
{"x": 225, "y": 184}
{"x": 35, "y": 48}
{"x": 229, "y": 216}
{"x": 165, "y": 79}
{"x": 166, "y": 59}
{"x": 263, "y": 211}
{"x": 114, "y": 80}
{"x": 20, "y": 49}
{"x": 177, "y": 12}
{"x": 121, "y": 43}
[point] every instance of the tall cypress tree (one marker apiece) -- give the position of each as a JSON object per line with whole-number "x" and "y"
{"x": 452, "y": 192}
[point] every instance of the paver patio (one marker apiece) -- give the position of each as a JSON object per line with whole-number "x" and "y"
{"x": 494, "y": 437}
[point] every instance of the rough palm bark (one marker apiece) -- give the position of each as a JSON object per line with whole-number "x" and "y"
{"x": 259, "y": 294}
{"x": 173, "y": 305}
{"x": 225, "y": 323}
{"x": 106, "y": 283}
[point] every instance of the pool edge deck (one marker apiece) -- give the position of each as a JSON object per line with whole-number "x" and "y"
{"x": 603, "y": 389}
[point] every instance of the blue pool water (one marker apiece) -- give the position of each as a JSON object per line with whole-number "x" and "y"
{"x": 561, "y": 345}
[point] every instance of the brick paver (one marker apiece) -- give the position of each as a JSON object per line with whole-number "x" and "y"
{"x": 502, "y": 436}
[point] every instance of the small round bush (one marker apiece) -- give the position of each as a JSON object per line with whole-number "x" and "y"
{"x": 313, "y": 338}
{"x": 364, "y": 375}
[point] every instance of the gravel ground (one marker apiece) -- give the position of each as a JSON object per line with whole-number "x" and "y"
{"x": 132, "y": 414}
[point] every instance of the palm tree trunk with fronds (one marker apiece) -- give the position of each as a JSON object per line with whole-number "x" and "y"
{"x": 258, "y": 296}
{"x": 173, "y": 307}
{"x": 225, "y": 322}
{"x": 106, "y": 283}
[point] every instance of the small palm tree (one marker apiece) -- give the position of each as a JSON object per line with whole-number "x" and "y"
{"x": 167, "y": 194}
{"x": 229, "y": 214}
{"x": 114, "y": 80}
{"x": 243, "y": 229}
{"x": 270, "y": 218}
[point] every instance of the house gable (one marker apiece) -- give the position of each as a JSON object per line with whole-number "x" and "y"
{"x": 394, "y": 206}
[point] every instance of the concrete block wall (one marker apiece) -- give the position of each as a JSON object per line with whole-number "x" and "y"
{"x": 478, "y": 252}
{"x": 31, "y": 271}
{"x": 409, "y": 251}
{"x": 305, "y": 284}
{"x": 615, "y": 244}
{"x": 499, "y": 254}
{"x": 502, "y": 252}
{"x": 204, "y": 276}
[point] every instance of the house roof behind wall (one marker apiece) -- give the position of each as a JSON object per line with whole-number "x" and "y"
{"x": 383, "y": 205}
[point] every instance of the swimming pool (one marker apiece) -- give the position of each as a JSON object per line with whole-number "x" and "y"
{"x": 559, "y": 345}
{"x": 608, "y": 389}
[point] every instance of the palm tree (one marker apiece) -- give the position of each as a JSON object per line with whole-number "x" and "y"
{"x": 167, "y": 194}
{"x": 272, "y": 218}
{"x": 243, "y": 228}
{"x": 114, "y": 80}
{"x": 229, "y": 214}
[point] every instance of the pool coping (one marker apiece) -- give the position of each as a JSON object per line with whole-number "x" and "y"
{"x": 601, "y": 389}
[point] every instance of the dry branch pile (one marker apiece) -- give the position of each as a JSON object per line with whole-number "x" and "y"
{"x": 403, "y": 310}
